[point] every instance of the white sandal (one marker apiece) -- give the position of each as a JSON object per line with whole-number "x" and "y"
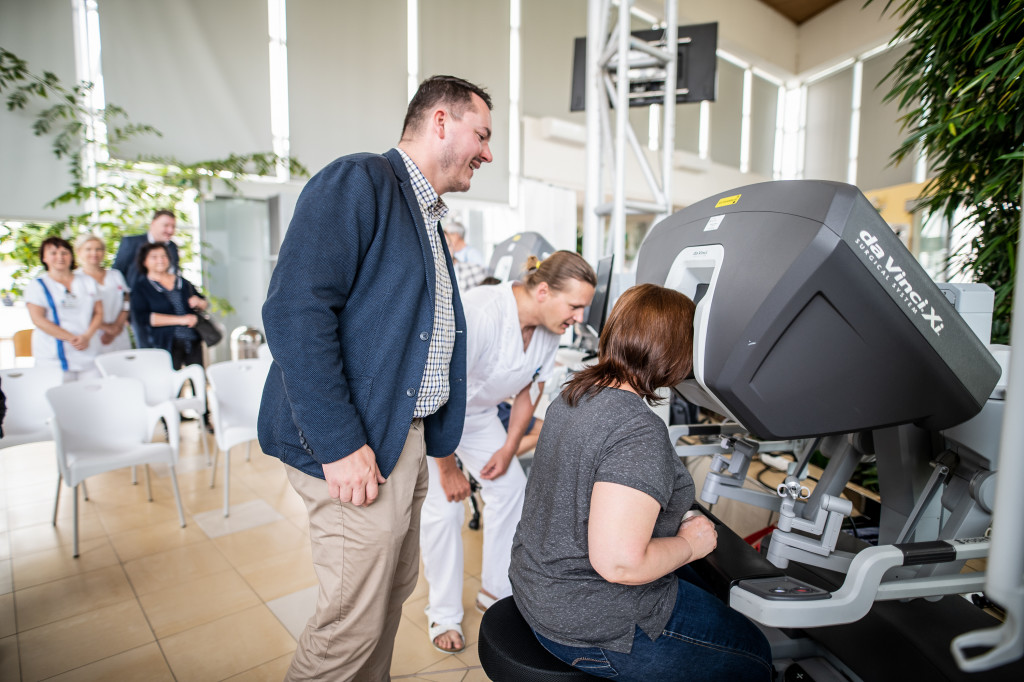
{"x": 484, "y": 601}
{"x": 435, "y": 630}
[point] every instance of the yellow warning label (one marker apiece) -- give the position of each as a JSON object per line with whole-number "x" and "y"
{"x": 728, "y": 201}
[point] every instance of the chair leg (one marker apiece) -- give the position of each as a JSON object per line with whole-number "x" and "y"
{"x": 85, "y": 492}
{"x": 213, "y": 467}
{"x": 227, "y": 483}
{"x": 202, "y": 441}
{"x": 177, "y": 496}
{"x": 135, "y": 476}
{"x": 248, "y": 451}
{"x": 76, "y": 522}
{"x": 56, "y": 500}
{"x": 149, "y": 486}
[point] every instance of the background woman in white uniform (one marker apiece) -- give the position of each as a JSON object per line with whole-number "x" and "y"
{"x": 66, "y": 312}
{"x": 512, "y": 334}
{"x": 112, "y": 291}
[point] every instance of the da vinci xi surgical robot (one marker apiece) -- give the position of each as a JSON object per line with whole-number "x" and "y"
{"x": 814, "y": 322}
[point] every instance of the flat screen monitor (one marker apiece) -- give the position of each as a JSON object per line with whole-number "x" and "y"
{"x": 597, "y": 312}
{"x": 696, "y": 63}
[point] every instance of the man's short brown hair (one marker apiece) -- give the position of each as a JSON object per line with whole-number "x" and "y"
{"x": 455, "y": 93}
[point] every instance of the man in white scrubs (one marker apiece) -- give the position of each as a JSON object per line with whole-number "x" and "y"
{"x": 512, "y": 334}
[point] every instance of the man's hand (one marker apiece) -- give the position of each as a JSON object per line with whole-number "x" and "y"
{"x": 354, "y": 478}
{"x": 453, "y": 482}
{"x": 497, "y": 465}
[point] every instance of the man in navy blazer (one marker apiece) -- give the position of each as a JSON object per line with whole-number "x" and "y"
{"x": 369, "y": 374}
{"x": 161, "y": 229}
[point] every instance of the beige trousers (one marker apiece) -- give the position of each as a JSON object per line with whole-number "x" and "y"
{"x": 367, "y": 561}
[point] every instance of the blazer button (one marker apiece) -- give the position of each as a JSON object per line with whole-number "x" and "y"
{"x": 411, "y": 392}
{"x": 424, "y": 336}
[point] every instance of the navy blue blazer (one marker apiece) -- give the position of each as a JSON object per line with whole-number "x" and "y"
{"x": 348, "y": 318}
{"x": 129, "y": 249}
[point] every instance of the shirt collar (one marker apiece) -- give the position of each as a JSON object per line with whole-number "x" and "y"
{"x": 431, "y": 204}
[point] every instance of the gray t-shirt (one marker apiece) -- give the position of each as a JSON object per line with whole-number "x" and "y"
{"x": 613, "y": 437}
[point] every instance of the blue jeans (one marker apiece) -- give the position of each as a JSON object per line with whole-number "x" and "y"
{"x": 703, "y": 640}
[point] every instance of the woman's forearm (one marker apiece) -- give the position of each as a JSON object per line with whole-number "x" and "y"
{"x": 660, "y": 557}
{"x": 165, "y": 320}
{"x": 38, "y": 316}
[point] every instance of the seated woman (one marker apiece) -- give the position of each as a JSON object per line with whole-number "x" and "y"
{"x": 66, "y": 311}
{"x": 161, "y": 305}
{"x": 112, "y": 291}
{"x": 605, "y": 530}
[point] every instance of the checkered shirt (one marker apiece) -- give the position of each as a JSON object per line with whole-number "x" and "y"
{"x": 469, "y": 275}
{"x": 434, "y": 387}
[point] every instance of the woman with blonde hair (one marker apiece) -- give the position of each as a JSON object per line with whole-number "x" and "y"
{"x": 512, "y": 333}
{"x": 113, "y": 294}
{"x": 599, "y": 562}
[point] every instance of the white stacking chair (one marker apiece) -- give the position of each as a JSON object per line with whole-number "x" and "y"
{"x": 163, "y": 383}
{"x": 235, "y": 403}
{"x": 28, "y": 413}
{"x": 105, "y": 424}
{"x": 263, "y": 352}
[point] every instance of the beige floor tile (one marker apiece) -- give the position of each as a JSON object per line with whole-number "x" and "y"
{"x": 10, "y": 667}
{"x": 252, "y": 545}
{"x": 40, "y": 511}
{"x": 8, "y": 625}
{"x": 476, "y": 675}
{"x": 133, "y": 544}
{"x": 6, "y": 574}
{"x": 413, "y": 650}
{"x": 52, "y": 564}
{"x": 272, "y": 671}
{"x": 227, "y": 646}
{"x": 441, "y": 676}
{"x": 281, "y": 574}
{"x": 300, "y": 520}
{"x": 197, "y": 602}
{"x": 204, "y": 498}
{"x": 73, "y": 642}
{"x": 472, "y": 550}
{"x": 470, "y": 656}
{"x": 144, "y": 664}
{"x": 452, "y": 665}
{"x": 142, "y": 514}
{"x": 45, "y": 535}
{"x": 72, "y": 596}
{"x": 32, "y": 492}
{"x": 174, "y": 567}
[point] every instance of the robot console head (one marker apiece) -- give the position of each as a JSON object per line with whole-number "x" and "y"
{"x": 812, "y": 316}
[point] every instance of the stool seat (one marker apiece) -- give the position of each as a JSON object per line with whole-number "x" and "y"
{"x": 509, "y": 651}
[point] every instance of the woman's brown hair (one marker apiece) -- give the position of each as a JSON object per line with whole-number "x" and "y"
{"x": 646, "y": 343}
{"x": 557, "y": 269}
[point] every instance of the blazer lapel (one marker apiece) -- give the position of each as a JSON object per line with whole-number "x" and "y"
{"x": 398, "y": 165}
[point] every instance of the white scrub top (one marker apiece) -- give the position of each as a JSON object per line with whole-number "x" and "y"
{"x": 111, "y": 293}
{"x": 497, "y": 366}
{"x": 74, "y": 309}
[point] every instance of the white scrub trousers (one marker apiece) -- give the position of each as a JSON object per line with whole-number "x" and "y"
{"x": 441, "y": 522}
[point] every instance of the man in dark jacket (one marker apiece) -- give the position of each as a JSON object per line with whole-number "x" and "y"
{"x": 369, "y": 373}
{"x": 160, "y": 231}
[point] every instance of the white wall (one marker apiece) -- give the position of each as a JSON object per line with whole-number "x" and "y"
{"x": 39, "y": 32}
{"x": 563, "y": 163}
{"x": 844, "y": 30}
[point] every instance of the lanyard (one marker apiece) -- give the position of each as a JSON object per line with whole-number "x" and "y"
{"x": 56, "y": 321}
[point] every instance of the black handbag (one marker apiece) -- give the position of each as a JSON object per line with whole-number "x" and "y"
{"x": 208, "y": 330}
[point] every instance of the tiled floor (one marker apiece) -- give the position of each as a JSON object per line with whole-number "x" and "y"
{"x": 149, "y": 600}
